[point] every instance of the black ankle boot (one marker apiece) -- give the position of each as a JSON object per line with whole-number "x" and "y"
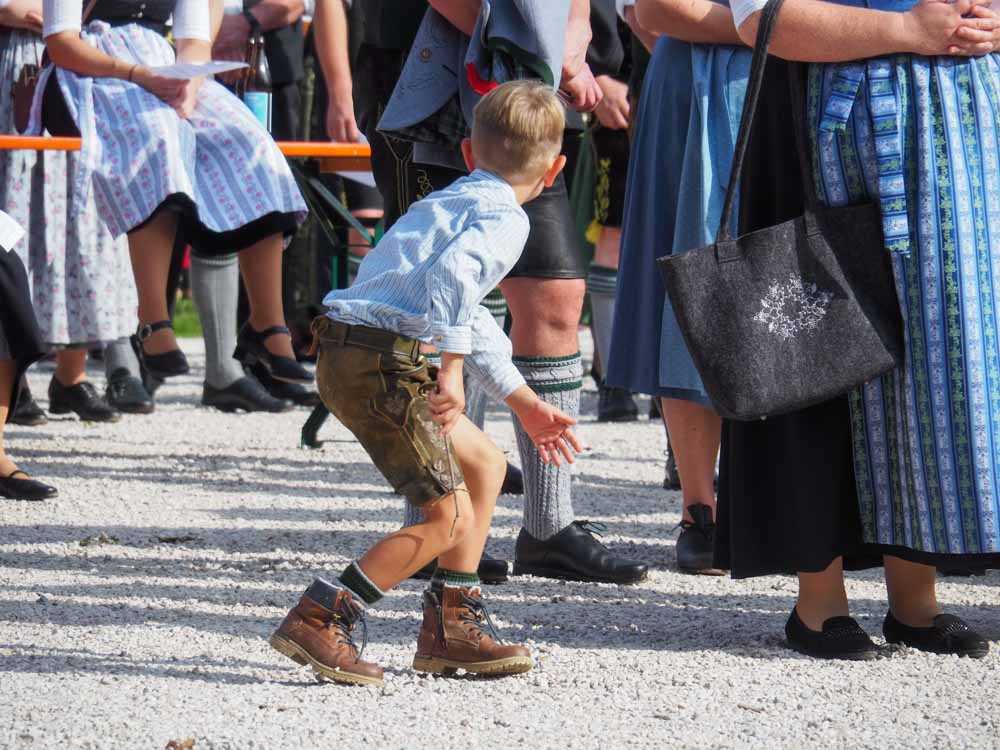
{"x": 158, "y": 366}
{"x": 616, "y": 405}
{"x": 696, "y": 543}
{"x": 250, "y": 350}
{"x": 574, "y": 554}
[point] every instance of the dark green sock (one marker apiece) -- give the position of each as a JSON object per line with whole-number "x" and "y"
{"x": 354, "y": 580}
{"x": 454, "y": 578}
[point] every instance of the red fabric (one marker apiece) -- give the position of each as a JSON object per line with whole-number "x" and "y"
{"x": 480, "y": 86}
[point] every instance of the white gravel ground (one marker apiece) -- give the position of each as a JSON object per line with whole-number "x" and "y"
{"x": 134, "y": 610}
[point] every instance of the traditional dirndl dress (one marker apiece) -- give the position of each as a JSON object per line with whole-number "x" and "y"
{"x": 219, "y": 169}
{"x": 685, "y": 134}
{"x": 81, "y": 281}
{"x": 922, "y": 137}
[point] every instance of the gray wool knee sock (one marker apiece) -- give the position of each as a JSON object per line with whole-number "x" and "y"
{"x": 119, "y": 355}
{"x": 215, "y": 285}
{"x": 602, "y": 284}
{"x": 548, "y": 503}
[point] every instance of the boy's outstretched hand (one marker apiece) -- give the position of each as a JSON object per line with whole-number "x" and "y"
{"x": 547, "y": 426}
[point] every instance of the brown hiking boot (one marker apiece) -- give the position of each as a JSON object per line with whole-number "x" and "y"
{"x": 320, "y": 635}
{"x": 453, "y": 636}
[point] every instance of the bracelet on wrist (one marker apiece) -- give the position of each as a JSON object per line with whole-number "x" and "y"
{"x": 131, "y": 72}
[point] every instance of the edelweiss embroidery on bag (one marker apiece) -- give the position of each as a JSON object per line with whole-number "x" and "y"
{"x": 793, "y": 306}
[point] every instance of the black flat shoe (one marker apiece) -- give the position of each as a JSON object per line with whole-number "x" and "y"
{"x": 696, "y": 543}
{"x": 127, "y": 394}
{"x": 491, "y": 571}
{"x": 616, "y": 405}
{"x": 513, "y": 482}
{"x": 574, "y": 554}
{"x": 246, "y": 394}
{"x": 250, "y": 350}
{"x": 297, "y": 394}
{"x": 948, "y": 635}
{"x": 23, "y": 487}
{"x": 841, "y": 638}
{"x": 27, "y": 412}
{"x": 81, "y": 399}
{"x": 159, "y": 366}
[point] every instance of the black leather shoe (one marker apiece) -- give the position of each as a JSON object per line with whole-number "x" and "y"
{"x": 127, "y": 394}
{"x": 696, "y": 543}
{"x": 491, "y": 571}
{"x": 23, "y": 487}
{"x": 159, "y": 366}
{"x": 81, "y": 399}
{"x": 616, "y": 405}
{"x": 574, "y": 554}
{"x": 246, "y": 394}
{"x": 513, "y": 482}
{"x": 27, "y": 412}
{"x": 654, "y": 409}
{"x": 948, "y": 635}
{"x": 250, "y": 350}
{"x": 841, "y": 638}
{"x": 297, "y": 394}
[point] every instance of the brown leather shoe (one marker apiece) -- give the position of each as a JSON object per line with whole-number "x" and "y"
{"x": 321, "y": 636}
{"x": 453, "y": 636}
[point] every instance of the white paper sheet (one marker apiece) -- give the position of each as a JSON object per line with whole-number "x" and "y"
{"x": 10, "y": 232}
{"x": 187, "y": 71}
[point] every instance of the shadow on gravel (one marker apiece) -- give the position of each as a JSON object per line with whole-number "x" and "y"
{"x": 40, "y": 660}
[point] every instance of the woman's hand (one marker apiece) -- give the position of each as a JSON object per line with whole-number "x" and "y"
{"x": 167, "y": 89}
{"x": 186, "y": 101}
{"x": 981, "y": 29}
{"x": 932, "y": 28}
{"x": 341, "y": 125}
{"x": 22, "y": 14}
{"x": 614, "y": 108}
{"x": 582, "y": 92}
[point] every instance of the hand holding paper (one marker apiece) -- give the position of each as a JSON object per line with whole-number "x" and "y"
{"x": 187, "y": 71}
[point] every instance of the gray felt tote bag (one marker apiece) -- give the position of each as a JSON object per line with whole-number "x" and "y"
{"x": 791, "y": 315}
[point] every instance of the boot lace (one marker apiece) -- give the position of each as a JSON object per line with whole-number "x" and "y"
{"x": 345, "y": 631}
{"x": 594, "y": 528}
{"x": 474, "y": 613}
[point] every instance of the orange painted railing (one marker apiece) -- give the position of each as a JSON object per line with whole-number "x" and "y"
{"x": 334, "y": 157}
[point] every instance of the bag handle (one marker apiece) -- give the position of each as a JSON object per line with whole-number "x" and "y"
{"x": 755, "y": 82}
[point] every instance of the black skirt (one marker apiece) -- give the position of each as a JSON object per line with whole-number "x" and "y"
{"x": 20, "y": 339}
{"x": 788, "y": 501}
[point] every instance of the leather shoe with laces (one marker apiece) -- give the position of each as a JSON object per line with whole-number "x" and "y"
{"x": 318, "y": 632}
{"x": 947, "y": 635}
{"x": 574, "y": 554}
{"x": 297, "y": 394}
{"x": 127, "y": 394}
{"x": 246, "y": 394}
{"x": 27, "y": 412}
{"x": 696, "y": 543}
{"x": 616, "y": 405}
{"x": 81, "y": 399}
{"x": 840, "y": 638}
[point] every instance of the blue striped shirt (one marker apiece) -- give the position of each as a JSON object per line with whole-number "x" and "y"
{"x": 430, "y": 272}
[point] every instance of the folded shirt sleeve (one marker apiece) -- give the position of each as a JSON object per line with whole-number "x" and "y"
{"x": 61, "y": 15}
{"x": 192, "y": 20}
{"x": 743, "y": 9}
{"x": 490, "y": 362}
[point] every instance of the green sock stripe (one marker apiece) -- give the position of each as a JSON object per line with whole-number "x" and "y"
{"x": 354, "y": 579}
{"x": 545, "y": 361}
{"x": 573, "y": 385}
{"x": 446, "y": 577}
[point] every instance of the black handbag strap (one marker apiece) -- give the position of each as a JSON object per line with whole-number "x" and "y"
{"x": 765, "y": 30}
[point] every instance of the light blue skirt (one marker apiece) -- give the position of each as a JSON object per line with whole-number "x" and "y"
{"x": 685, "y": 134}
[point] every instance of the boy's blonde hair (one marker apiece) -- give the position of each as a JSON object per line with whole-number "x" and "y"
{"x": 517, "y": 130}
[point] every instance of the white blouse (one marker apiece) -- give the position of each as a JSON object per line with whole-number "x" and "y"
{"x": 743, "y": 9}
{"x": 192, "y": 19}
